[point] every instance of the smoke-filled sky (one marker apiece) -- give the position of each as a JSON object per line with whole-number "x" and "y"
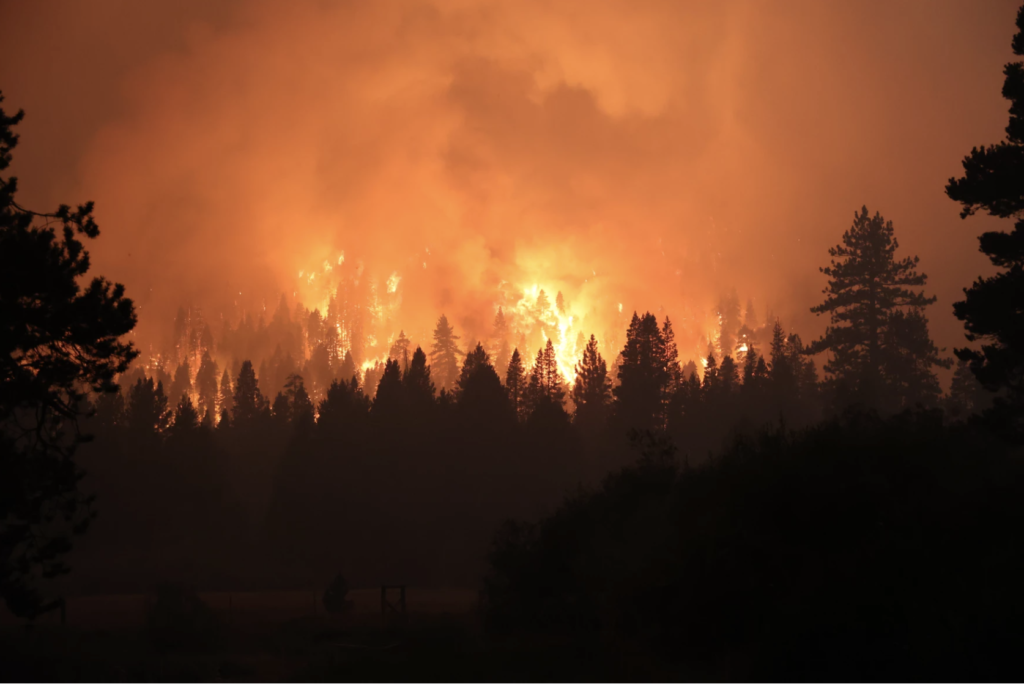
{"x": 653, "y": 154}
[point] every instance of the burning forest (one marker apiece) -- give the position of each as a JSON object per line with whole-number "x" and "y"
{"x": 472, "y": 340}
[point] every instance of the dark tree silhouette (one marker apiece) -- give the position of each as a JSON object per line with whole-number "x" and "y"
{"x": 545, "y": 387}
{"x": 347, "y": 370}
{"x": 730, "y": 321}
{"x": 993, "y": 310}
{"x": 675, "y": 375}
{"x": 480, "y": 396}
{"x": 248, "y": 400}
{"x": 344, "y": 410}
{"x": 782, "y": 373}
{"x": 516, "y": 384}
{"x": 182, "y": 383}
{"x": 867, "y": 287}
{"x": 444, "y": 355}
{"x": 186, "y": 418}
{"x": 400, "y": 350}
{"x": 591, "y": 392}
{"x": 227, "y": 393}
{"x": 147, "y": 413}
{"x": 418, "y": 385}
{"x": 644, "y": 376}
{"x": 59, "y": 340}
{"x": 710, "y": 372}
{"x": 966, "y": 395}
{"x": 728, "y": 379}
{"x": 389, "y": 399}
{"x": 206, "y": 385}
{"x": 301, "y": 416}
{"x": 476, "y": 357}
{"x": 280, "y": 410}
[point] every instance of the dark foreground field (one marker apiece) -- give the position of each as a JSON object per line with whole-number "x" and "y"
{"x": 286, "y": 636}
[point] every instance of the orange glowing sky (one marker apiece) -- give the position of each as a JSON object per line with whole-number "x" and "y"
{"x": 653, "y": 154}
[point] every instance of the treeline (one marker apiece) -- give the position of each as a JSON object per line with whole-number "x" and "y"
{"x": 286, "y": 491}
{"x": 375, "y": 474}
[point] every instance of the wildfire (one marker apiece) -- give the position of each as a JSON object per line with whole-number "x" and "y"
{"x": 536, "y": 312}
{"x": 393, "y": 282}
{"x": 366, "y": 310}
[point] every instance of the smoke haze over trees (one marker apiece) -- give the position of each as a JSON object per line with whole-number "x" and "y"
{"x": 557, "y": 301}
{"x": 497, "y": 142}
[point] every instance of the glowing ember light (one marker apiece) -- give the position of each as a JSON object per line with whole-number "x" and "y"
{"x": 393, "y": 282}
{"x": 743, "y": 348}
{"x": 620, "y": 307}
{"x": 537, "y": 312}
{"x": 341, "y": 259}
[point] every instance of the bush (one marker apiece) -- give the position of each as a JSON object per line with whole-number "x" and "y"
{"x": 179, "y": 620}
{"x": 858, "y": 549}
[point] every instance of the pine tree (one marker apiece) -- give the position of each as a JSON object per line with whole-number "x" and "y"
{"x": 642, "y": 393}
{"x": 477, "y": 357}
{"x": 282, "y": 315}
{"x": 418, "y": 385}
{"x": 146, "y": 412}
{"x": 227, "y": 393}
{"x": 186, "y": 418}
{"x": 371, "y": 378}
{"x": 866, "y": 287}
{"x": 992, "y": 313}
{"x": 545, "y": 386}
{"x": 249, "y": 403}
{"x": 750, "y": 365}
{"x": 182, "y": 384}
{"x": 301, "y": 413}
{"x": 389, "y": 399}
{"x": 908, "y": 355}
{"x": 206, "y": 384}
{"x": 675, "y": 375}
{"x": 966, "y": 394}
{"x": 480, "y": 396}
{"x": 781, "y": 372}
{"x": 516, "y": 384}
{"x": 729, "y": 322}
{"x": 444, "y": 354}
{"x": 591, "y": 393}
{"x": 280, "y": 409}
{"x": 728, "y": 378}
{"x": 710, "y": 373}
{"x": 347, "y": 371}
{"x": 400, "y": 350}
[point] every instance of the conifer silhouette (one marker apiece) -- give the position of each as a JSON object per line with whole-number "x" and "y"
{"x": 516, "y": 384}
{"x": 444, "y": 355}
{"x": 992, "y": 314}
{"x": 591, "y": 392}
{"x": 868, "y": 292}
